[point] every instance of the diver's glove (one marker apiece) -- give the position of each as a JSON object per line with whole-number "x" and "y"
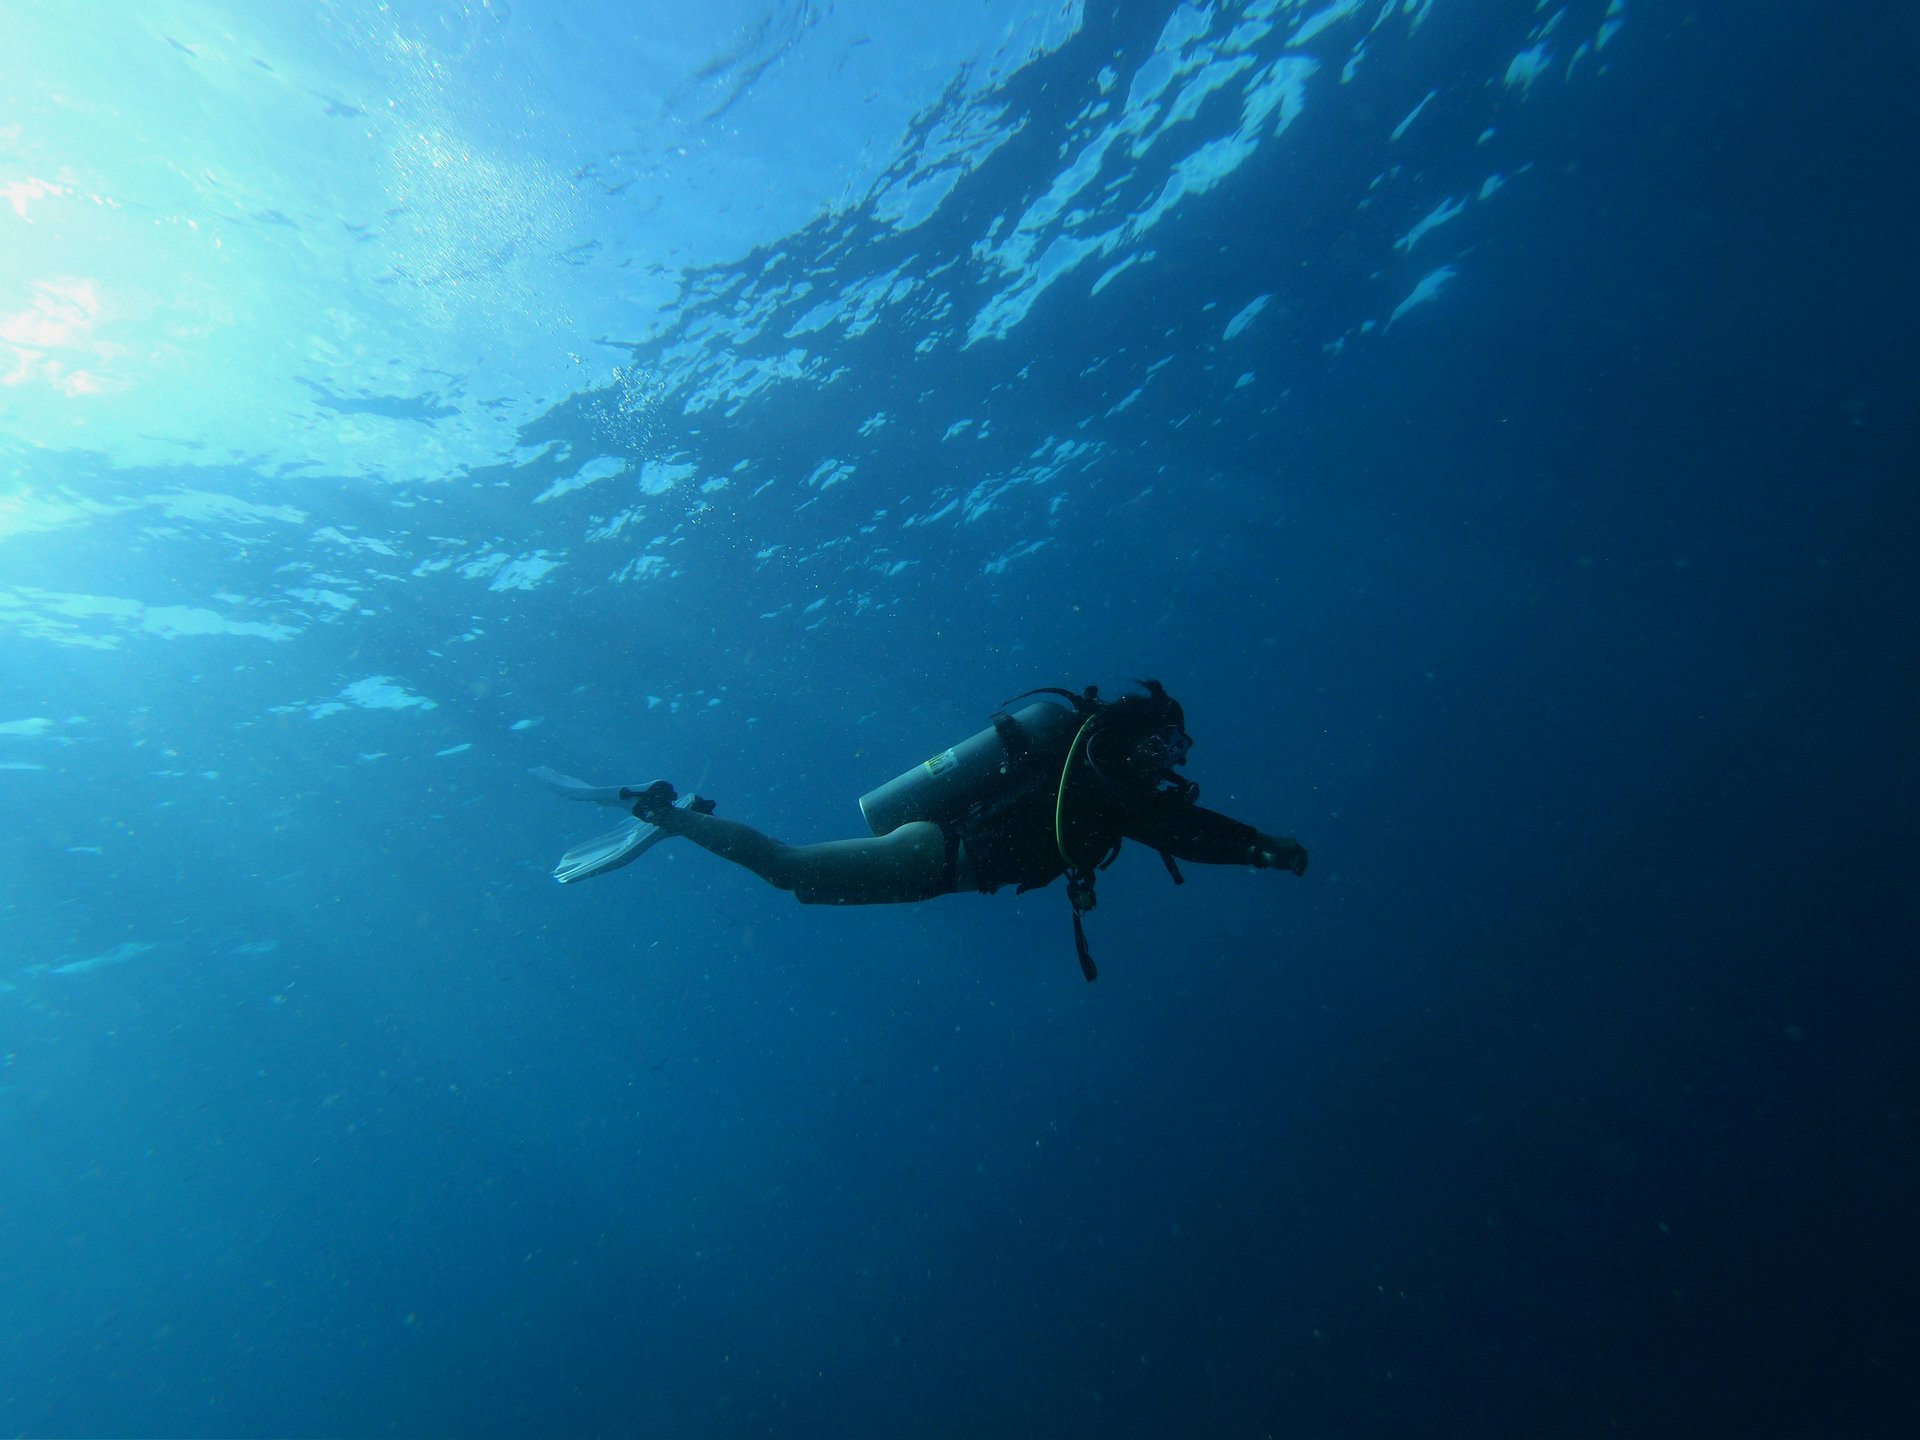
{"x": 1275, "y": 853}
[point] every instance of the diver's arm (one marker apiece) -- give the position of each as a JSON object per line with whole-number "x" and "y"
{"x": 1206, "y": 837}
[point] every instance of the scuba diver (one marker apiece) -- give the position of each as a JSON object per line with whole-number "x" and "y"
{"x": 1048, "y": 790}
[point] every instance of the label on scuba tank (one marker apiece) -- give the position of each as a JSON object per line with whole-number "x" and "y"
{"x": 945, "y": 760}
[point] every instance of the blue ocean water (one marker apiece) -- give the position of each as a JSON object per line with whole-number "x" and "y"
{"x": 1494, "y": 420}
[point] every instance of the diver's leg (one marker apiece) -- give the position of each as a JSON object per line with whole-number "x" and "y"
{"x": 908, "y": 864}
{"x": 730, "y": 840}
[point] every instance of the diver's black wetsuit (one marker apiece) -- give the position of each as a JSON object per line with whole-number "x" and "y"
{"x": 1108, "y": 777}
{"x": 1067, "y": 804}
{"x": 1017, "y": 845}
{"x": 1014, "y": 844}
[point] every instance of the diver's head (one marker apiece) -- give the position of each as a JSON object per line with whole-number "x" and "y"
{"x": 1141, "y": 739}
{"x": 1159, "y": 751}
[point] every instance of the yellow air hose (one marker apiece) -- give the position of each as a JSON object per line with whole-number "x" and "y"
{"x": 1060, "y": 796}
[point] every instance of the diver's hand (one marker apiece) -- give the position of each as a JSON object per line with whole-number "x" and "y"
{"x": 1276, "y": 853}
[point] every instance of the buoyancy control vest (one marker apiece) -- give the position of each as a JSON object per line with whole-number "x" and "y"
{"x": 1011, "y": 758}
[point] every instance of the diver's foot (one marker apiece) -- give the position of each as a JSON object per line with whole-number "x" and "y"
{"x": 700, "y": 805}
{"x": 651, "y": 802}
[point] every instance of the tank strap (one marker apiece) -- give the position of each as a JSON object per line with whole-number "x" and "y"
{"x": 1013, "y": 739}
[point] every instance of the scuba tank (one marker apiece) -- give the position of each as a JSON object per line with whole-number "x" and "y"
{"x": 982, "y": 770}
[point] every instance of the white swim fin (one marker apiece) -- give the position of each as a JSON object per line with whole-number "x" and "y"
{"x": 572, "y": 789}
{"x": 617, "y": 847}
{"x": 608, "y": 852}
